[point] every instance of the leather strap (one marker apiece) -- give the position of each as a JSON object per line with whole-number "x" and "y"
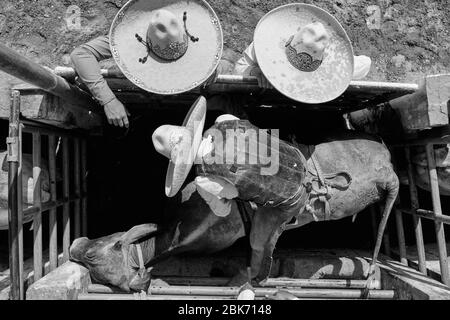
{"x": 318, "y": 186}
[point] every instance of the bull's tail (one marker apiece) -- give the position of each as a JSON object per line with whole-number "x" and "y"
{"x": 392, "y": 194}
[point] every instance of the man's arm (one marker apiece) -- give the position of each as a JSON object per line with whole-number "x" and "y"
{"x": 248, "y": 66}
{"x": 85, "y": 59}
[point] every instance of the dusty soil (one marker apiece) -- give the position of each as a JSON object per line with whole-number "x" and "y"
{"x": 410, "y": 38}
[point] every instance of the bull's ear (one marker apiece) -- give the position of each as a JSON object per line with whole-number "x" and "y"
{"x": 139, "y": 232}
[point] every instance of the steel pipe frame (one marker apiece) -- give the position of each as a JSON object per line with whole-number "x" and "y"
{"x": 114, "y": 73}
{"x": 259, "y": 292}
{"x": 436, "y": 215}
{"x": 15, "y": 210}
{"x": 13, "y": 197}
{"x": 20, "y": 67}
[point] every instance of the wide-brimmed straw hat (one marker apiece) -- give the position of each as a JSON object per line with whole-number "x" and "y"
{"x": 304, "y": 53}
{"x": 180, "y": 145}
{"x": 166, "y": 46}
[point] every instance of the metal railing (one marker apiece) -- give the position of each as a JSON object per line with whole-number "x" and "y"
{"x": 418, "y": 214}
{"x": 74, "y": 217}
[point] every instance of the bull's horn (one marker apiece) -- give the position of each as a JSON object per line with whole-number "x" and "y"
{"x": 139, "y": 232}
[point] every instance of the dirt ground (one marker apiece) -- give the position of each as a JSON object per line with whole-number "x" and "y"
{"x": 405, "y": 38}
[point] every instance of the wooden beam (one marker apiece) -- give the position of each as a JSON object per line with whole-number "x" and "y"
{"x": 26, "y": 70}
{"x": 37, "y": 105}
{"x": 411, "y": 284}
{"x": 427, "y": 107}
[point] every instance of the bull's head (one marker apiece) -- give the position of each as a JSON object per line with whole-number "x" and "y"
{"x": 116, "y": 259}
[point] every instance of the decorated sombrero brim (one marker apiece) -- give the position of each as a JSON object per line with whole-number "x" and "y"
{"x": 161, "y": 76}
{"x": 178, "y": 171}
{"x": 326, "y": 83}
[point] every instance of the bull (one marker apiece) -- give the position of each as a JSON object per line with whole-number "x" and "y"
{"x": 330, "y": 181}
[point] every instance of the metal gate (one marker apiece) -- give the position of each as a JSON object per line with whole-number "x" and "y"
{"x": 418, "y": 215}
{"x": 68, "y": 199}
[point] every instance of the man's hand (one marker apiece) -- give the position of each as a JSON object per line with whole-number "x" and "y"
{"x": 262, "y": 80}
{"x": 117, "y": 114}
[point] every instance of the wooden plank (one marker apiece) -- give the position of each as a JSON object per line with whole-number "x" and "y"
{"x": 66, "y": 194}
{"x": 427, "y": 107}
{"x": 182, "y": 292}
{"x": 262, "y": 292}
{"x": 37, "y": 220}
{"x": 53, "y": 226}
{"x": 84, "y": 186}
{"x": 401, "y": 236}
{"x": 411, "y": 284}
{"x": 46, "y": 108}
{"x": 416, "y": 220}
{"x": 440, "y": 233}
{"x": 431, "y": 255}
{"x": 20, "y": 208}
{"x": 77, "y": 188}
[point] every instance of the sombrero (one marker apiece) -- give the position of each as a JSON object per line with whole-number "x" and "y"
{"x": 304, "y": 53}
{"x": 166, "y": 46}
{"x": 180, "y": 145}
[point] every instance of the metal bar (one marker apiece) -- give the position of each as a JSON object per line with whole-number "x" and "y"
{"x": 20, "y": 67}
{"x": 126, "y": 297}
{"x": 50, "y": 205}
{"x": 182, "y": 293}
{"x": 416, "y": 220}
{"x": 66, "y": 206}
{"x": 429, "y": 215}
{"x": 440, "y": 233}
{"x": 373, "y": 86}
{"x": 37, "y": 220}
{"x": 13, "y": 209}
{"x": 77, "y": 188}
{"x": 272, "y": 282}
{"x": 401, "y": 237}
{"x": 261, "y": 292}
{"x": 20, "y": 211}
{"x": 84, "y": 186}
{"x": 31, "y": 126}
{"x": 53, "y": 226}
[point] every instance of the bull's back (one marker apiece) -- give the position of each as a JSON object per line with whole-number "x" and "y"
{"x": 369, "y": 164}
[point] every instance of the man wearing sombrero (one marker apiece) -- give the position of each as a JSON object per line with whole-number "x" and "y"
{"x": 304, "y": 53}
{"x": 164, "y": 47}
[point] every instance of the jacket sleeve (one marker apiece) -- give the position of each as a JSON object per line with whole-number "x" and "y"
{"x": 86, "y": 61}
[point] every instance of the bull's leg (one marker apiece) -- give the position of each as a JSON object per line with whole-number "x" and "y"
{"x": 266, "y": 227}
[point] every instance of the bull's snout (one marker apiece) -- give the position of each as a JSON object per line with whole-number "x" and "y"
{"x": 77, "y": 248}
